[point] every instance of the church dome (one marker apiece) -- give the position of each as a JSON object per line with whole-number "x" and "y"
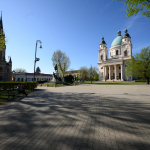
{"x": 117, "y": 40}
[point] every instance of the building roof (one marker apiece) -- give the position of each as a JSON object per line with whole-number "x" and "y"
{"x": 117, "y": 40}
{"x": 9, "y": 60}
{"x": 1, "y": 22}
{"x": 126, "y": 34}
{"x": 103, "y": 42}
{"x": 42, "y": 74}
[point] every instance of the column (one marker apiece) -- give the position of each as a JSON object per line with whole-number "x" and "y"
{"x": 121, "y": 72}
{"x": 104, "y": 73}
{"x": 109, "y": 73}
{"x": 115, "y": 73}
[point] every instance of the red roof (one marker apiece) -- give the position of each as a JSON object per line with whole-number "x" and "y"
{"x": 42, "y": 74}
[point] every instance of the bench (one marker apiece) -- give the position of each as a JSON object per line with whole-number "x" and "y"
{"x": 13, "y": 94}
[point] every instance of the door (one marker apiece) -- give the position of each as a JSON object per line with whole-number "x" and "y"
{"x": 119, "y": 75}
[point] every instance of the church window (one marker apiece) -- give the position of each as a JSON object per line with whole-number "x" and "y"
{"x": 101, "y": 57}
{"x": 116, "y": 52}
{"x": 1, "y": 69}
{"x": 125, "y": 53}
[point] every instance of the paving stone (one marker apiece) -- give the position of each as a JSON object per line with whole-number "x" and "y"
{"x": 91, "y": 117}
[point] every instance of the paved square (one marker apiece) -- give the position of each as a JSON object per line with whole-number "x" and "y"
{"x": 83, "y": 117}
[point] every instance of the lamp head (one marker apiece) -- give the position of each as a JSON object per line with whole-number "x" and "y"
{"x": 40, "y": 46}
{"x": 37, "y": 59}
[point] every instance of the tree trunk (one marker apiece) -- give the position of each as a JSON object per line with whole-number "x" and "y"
{"x": 147, "y": 80}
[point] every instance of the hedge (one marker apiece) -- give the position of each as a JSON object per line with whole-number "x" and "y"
{"x": 13, "y": 84}
{"x": 140, "y": 80}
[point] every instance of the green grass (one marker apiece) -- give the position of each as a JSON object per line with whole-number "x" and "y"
{"x": 4, "y": 95}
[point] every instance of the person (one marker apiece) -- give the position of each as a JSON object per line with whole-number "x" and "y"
{"x": 19, "y": 88}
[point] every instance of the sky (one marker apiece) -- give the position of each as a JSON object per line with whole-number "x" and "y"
{"x": 73, "y": 26}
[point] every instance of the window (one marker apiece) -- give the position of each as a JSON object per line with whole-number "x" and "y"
{"x": 101, "y": 57}
{"x": 1, "y": 69}
{"x": 113, "y": 68}
{"x": 102, "y": 68}
{"x": 7, "y": 69}
{"x": 119, "y": 67}
{"x": 125, "y": 53}
{"x": 116, "y": 52}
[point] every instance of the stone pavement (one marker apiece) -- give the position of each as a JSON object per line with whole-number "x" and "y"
{"x": 83, "y": 117}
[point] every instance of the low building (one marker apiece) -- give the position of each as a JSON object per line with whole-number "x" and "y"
{"x": 30, "y": 76}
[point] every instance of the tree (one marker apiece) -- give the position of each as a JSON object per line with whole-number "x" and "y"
{"x": 91, "y": 73}
{"x": 62, "y": 61}
{"x": 135, "y": 6}
{"x": 139, "y": 65}
{"x": 2, "y": 40}
{"x": 38, "y": 70}
{"x": 20, "y": 70}
{"x": 83, "y": 73}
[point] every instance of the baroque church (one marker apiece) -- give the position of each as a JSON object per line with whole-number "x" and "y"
{"x": 113, "y": 68}
{"x": 5, "y": 67}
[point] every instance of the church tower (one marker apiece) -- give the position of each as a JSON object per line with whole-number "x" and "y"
{"x": 126, "y": 45}
{"x": 103, "y": 52}
{"x": 5, "y": 67}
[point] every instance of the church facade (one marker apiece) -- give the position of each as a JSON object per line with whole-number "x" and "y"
{"x": 113, "y": 68}
{"x": 5, "y": 66}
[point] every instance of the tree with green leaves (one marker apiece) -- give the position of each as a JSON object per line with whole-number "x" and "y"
{"x": 62, "y": 61}
{"x": 21, "y": 70}
{"x": 38, "y": 70}
{"x": 139, "y": 65}
{"x": 93, "y": 74}
{"x": 83, "y": 73}
{"x": 2, "y": 40}
{"x": 135, "y": 6}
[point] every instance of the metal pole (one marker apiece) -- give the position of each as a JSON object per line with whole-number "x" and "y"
{"x": 34, "y": 64}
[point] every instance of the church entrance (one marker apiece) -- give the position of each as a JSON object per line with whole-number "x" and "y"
{"x": 120, "y": 76}
{"x": 1, "y": 78}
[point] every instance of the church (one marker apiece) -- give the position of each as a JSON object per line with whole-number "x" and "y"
{"x": 5, "y": 67}
{"x": 113, "y": 68}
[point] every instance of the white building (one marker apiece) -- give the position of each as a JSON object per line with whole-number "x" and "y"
{"x": 113, "y": 68}
{"x": 30, "y": 76}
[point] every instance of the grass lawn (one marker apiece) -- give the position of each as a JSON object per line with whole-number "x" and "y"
{"x": 59, "y": 85}
{"x": 4, "y": 95}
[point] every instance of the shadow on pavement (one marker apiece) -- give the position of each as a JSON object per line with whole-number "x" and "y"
{"x": 47, "y": 120}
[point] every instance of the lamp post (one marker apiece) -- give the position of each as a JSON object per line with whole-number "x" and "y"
{"x": 36, "y": 59}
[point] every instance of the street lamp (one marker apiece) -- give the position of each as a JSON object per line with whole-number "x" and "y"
{"x": 36, "y": 59}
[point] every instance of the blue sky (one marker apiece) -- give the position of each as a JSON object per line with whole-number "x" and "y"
{"x": 73, "y": 26}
